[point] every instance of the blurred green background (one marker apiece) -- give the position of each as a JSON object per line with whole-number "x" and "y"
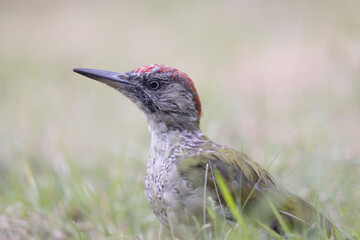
{"x": 278, "y": 79}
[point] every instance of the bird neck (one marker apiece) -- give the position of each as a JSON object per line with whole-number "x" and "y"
{"x": 169, "y": 142}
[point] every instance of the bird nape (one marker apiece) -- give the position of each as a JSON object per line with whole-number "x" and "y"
{"x": 191, "y": 180}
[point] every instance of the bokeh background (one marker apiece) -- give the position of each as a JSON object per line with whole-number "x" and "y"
{"x": 278, "y": 79}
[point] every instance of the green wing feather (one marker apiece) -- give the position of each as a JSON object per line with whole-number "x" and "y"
{"x": 251, "y": 186}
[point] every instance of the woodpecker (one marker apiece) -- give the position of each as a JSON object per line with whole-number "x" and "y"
{"x": 185, "y": 167}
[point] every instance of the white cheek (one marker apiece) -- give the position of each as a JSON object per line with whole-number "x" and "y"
{"x": 173, "y": 137}
{"x": 162, "y": 127}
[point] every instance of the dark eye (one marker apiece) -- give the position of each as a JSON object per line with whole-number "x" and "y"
{"x": 154, "y": 85}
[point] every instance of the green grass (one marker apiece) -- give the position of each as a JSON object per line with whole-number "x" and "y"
{"x": 278, "y": 80}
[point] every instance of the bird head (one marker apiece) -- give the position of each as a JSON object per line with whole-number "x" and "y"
{"x": 166, "y": 96}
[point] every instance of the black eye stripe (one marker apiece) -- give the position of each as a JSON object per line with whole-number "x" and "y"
{"x": 143, "y": 97}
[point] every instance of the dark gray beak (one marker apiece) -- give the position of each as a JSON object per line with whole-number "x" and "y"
{"x": 113, "y": 79}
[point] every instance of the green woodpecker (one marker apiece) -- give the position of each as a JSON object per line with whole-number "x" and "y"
{"x": 185, "y": 167}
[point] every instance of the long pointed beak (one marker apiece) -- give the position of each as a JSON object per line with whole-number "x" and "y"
{"x": 112, "y": 79}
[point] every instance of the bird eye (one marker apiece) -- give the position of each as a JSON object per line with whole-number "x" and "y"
{"x": 154, "y": 85}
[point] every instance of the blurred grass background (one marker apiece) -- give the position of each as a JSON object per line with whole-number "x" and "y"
{"x": 279, "y": 80}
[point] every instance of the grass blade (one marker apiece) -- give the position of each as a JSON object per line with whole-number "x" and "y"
{"x": 229, "y": 200}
